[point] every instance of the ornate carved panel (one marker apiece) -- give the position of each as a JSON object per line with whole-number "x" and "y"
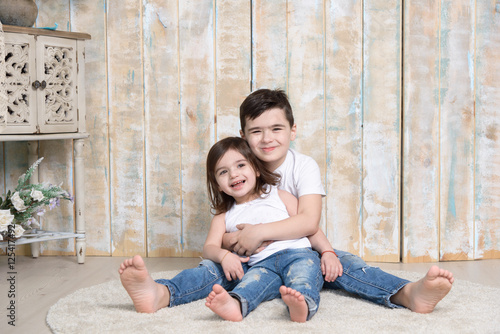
{"x": 17, "y": 83}
{"x": 59, "y": 63}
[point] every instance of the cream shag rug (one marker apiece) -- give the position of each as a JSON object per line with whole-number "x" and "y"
{"x": 106, "y": 308}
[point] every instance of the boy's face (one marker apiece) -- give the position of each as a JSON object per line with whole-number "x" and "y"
{"x": 269, "y": 137}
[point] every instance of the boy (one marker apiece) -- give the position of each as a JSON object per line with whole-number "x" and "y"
{"x": 268, "y": 126}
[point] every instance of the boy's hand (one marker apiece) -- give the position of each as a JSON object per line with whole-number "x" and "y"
{"x": 230, "y": 239}
{"x": 331, "y": 266}
{"x": 248, "y": 240}
{"x": 231, "y": 264}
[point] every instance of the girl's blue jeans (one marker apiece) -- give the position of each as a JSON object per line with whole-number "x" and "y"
{"x": 298, "y": 269}
{"x": 358, "y": 278}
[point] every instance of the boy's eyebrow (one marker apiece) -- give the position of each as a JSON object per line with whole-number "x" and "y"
{"x": 279, "y": 125}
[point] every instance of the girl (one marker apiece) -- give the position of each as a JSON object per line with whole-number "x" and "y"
{"x": 242, "y": 191}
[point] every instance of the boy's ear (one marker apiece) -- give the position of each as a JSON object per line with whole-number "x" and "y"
{"x": 293, "y": 132}
{"x": 242, "y": 134}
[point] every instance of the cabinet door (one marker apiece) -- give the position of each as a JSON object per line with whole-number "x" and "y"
{"x": 57, "y": 97}
{"x": 20, "y": 73}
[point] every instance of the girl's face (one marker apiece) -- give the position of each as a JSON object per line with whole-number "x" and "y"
{"x": 236, "y": 176}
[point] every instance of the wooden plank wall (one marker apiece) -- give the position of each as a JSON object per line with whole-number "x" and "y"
{"x": 451, "y": 156}
{"x": 398, "y": 102}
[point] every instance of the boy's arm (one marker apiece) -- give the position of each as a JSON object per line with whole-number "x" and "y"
{"x": 212, "y": 250}
{"x": 305, "y": 223}
{"x": 330, "y": 263}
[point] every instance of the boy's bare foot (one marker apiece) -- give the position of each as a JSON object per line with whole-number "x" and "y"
{"x": 422, "y": 296}
{"x": 147, "y": 295}
{"x": 222, "y": 304}
{"x": 296, "y": 303}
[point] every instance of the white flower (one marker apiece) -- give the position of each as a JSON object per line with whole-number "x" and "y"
{"x": 18, "y": 202}
{"x": 18, "y": 231}
{"x": 5, "y": 219}
{"x": 37, "y": 195}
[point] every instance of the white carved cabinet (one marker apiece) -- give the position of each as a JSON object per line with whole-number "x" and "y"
{"x": 45, "y": 73}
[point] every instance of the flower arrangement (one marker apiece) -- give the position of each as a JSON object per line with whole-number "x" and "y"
{"x": 17, "y": 210}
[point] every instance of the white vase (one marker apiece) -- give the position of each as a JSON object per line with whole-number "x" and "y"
{"x": 18, "y": 12}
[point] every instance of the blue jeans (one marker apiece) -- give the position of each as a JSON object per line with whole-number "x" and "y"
{"x": 196, "y": 283}
{"x": 370, "y": 283}
{"x": 358, "y": 278}
{"x": 298, "y": 269}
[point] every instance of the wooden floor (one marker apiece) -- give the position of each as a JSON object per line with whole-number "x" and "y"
{"x": 41, "y": 282}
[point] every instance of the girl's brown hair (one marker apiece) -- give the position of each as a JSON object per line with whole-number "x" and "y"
{"x": 220, "y": 202}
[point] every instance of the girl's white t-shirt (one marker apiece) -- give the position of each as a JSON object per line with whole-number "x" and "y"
{"x": 265, "y": 209}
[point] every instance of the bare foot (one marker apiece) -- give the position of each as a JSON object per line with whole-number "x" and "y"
{"x": 222, "y": 304}
{"x": 147, "y": 295}
{"x": 296, "y": 303}
{"x": 423, "y": 295}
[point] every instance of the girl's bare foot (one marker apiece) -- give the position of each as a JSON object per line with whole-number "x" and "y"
{"x": 222, "y": 304}
{"x": 296, "y": 303}
{"x": 147, "y": 295}
{"x": 422, "y": 296}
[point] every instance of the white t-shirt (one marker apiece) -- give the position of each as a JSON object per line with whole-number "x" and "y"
{"x": 265, "y": 209}
{"x": 300, "y": 175}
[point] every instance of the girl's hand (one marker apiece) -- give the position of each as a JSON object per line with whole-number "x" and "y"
{"x": 263, "y": 246}
{"x": 331, "y": 266}
{"x": 231, "y": 264}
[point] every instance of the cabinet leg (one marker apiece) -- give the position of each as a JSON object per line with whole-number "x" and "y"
{"x": 80, "y": 199}
{"x": 35, "y": 249}
{"x": 81, "y": 246}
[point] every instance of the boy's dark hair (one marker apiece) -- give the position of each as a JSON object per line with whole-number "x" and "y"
{"x": 262, "y": 100}
{"x": 219, "y": 201}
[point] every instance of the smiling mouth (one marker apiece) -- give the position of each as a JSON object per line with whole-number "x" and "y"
{"x": 268, "y": 149}
{"x": 237, "y": 184}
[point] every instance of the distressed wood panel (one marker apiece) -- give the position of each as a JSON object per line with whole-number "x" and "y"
{"x": 269, "y": 44}
{"x": 51, "y": 12}
{"x": 56, "y": 169}
{"x": 487, "y": 140}
{"x": 306, "y": 76}
{"x": 343, "y": 71}
{"x": 197, "y": 86}
{"x": 421, "y": 132}
{"x": 381, "y": 129}
{"x": 233, "y": 60}
{"x": 90, "y": 16}
{"x": 306, "y": 79}
{"x": 160, "y": 73}
{"x": 126, "y": 128}
{"x": 162, "y": 123}
{"x": 457, "y": 130}
{"x": 57, "y": 153}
